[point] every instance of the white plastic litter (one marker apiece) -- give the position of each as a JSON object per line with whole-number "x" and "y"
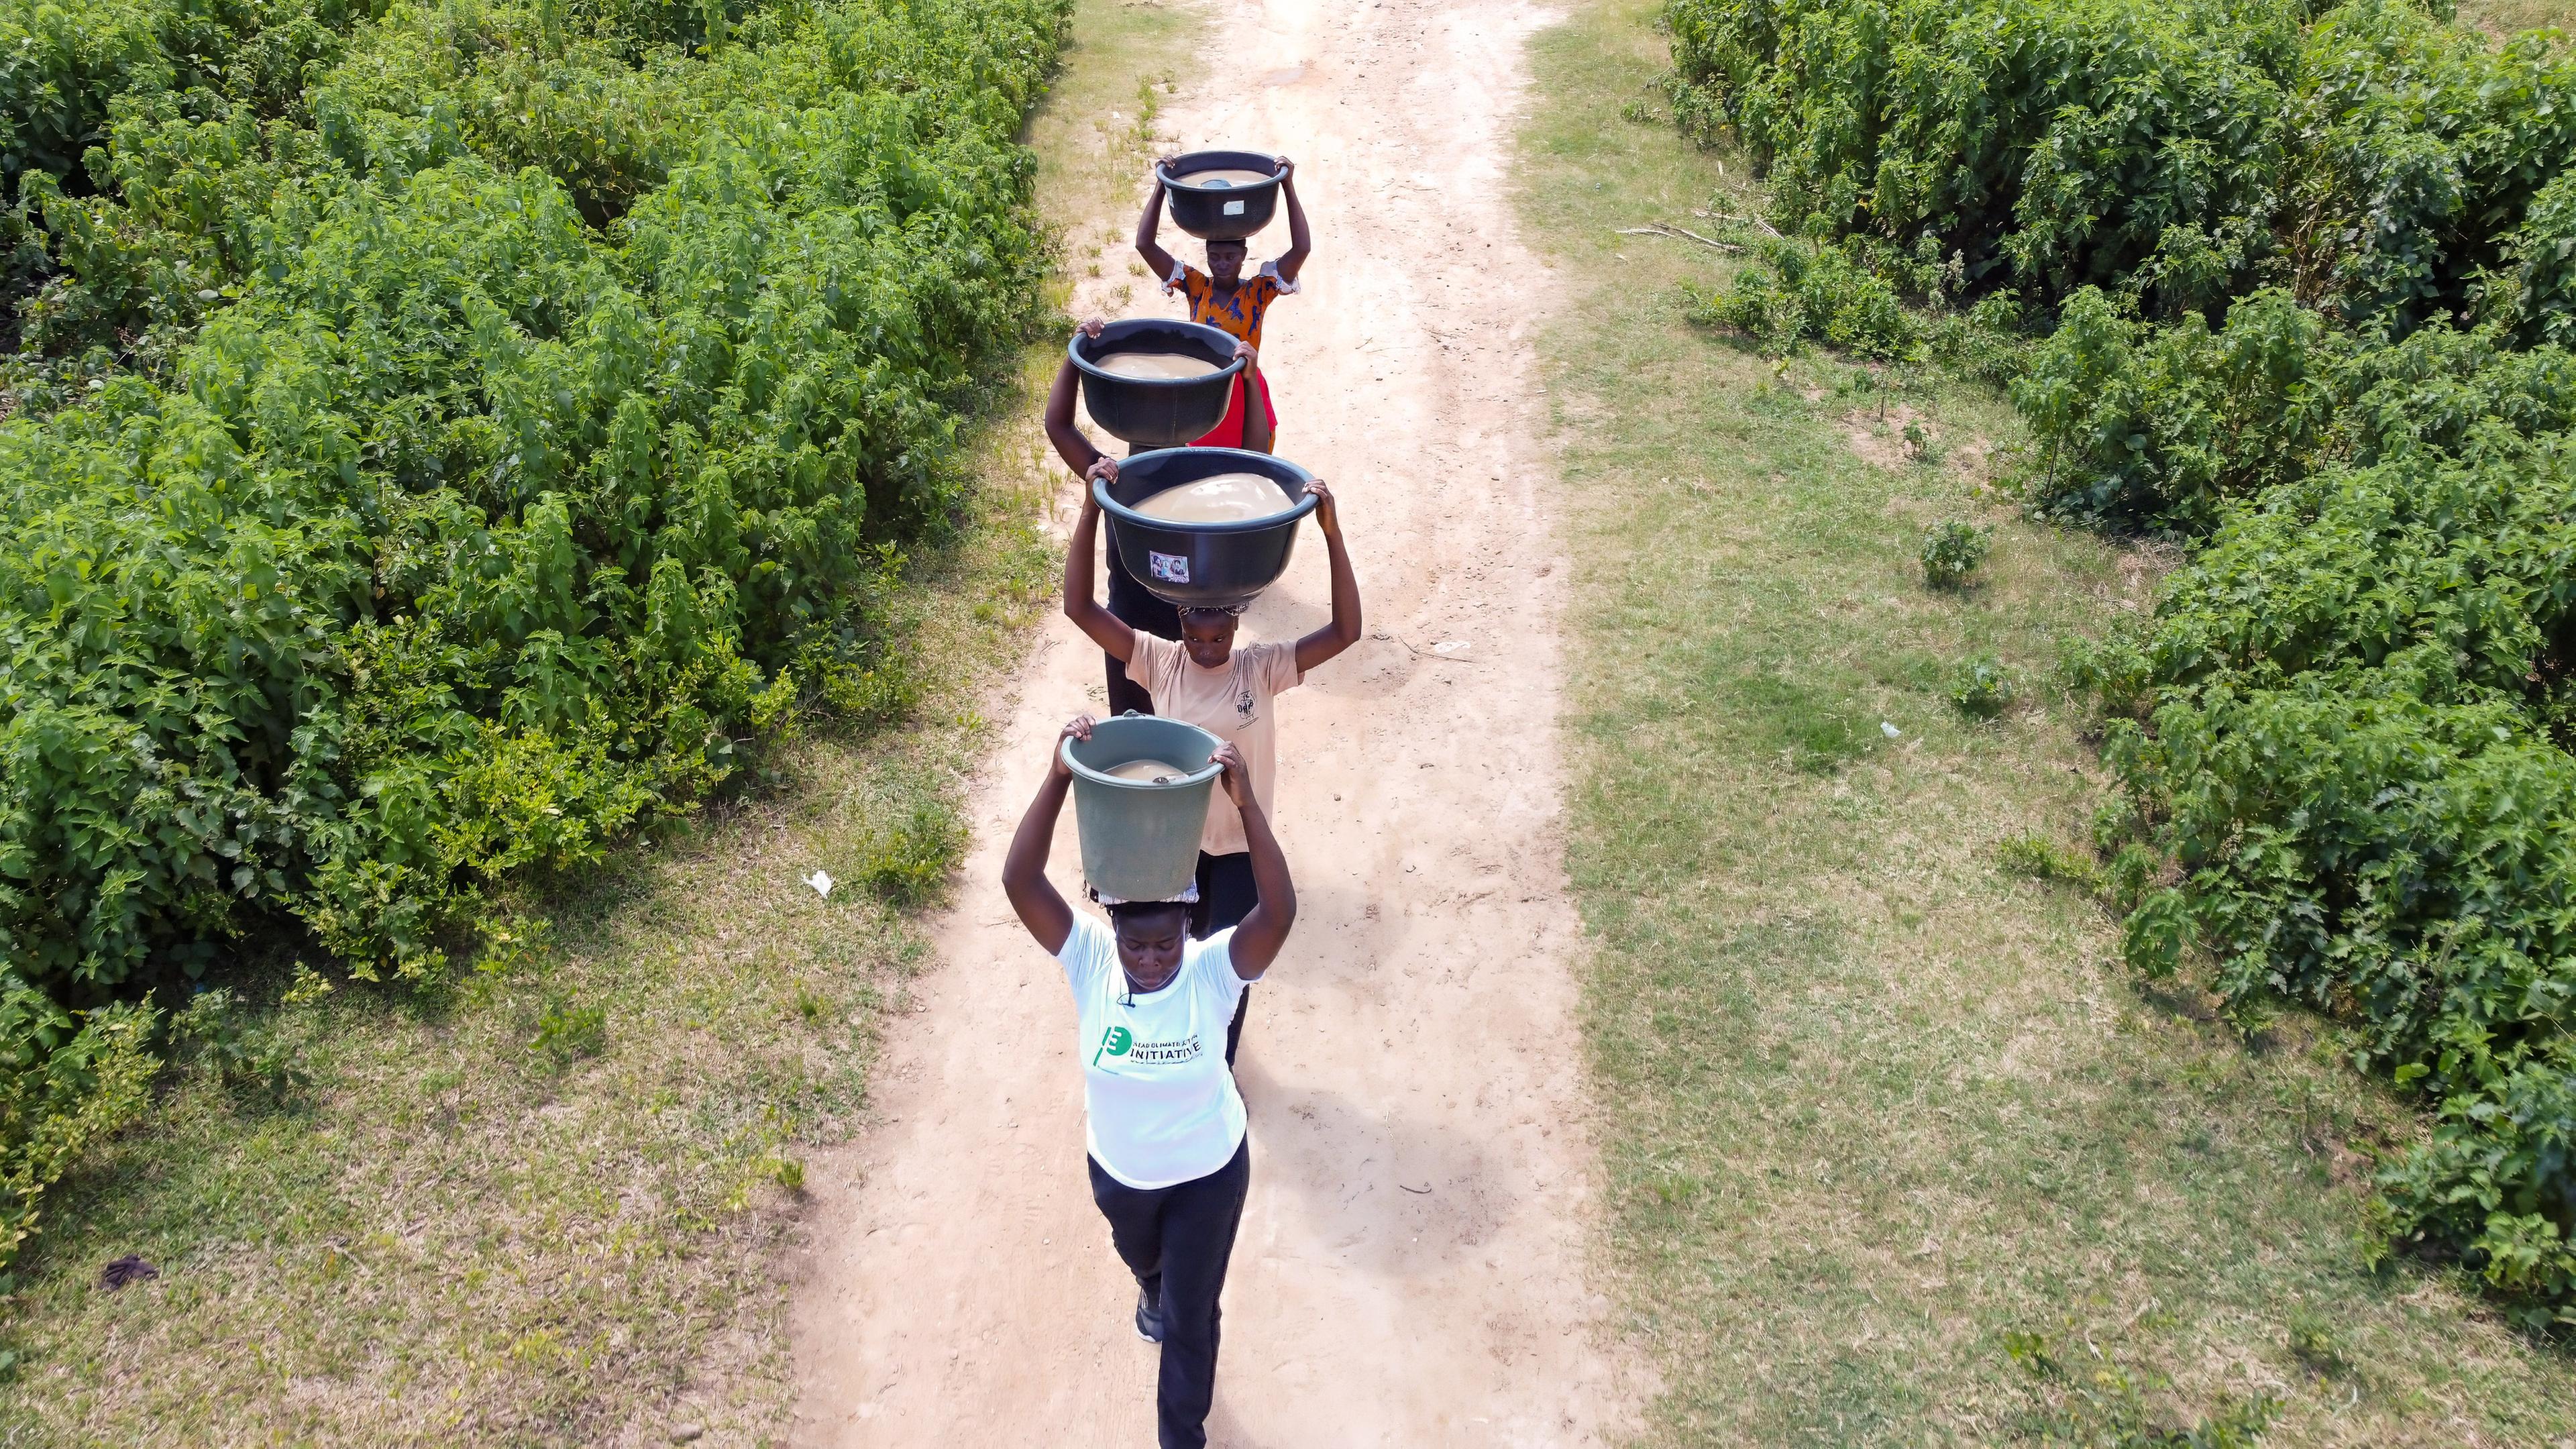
{"x": 822, "y": 884}
{"x": 1450, "y": 646}
{"x": 1892, "y": 731}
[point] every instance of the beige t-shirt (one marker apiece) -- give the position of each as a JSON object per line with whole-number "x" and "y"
{"x": 1232, "y": 703}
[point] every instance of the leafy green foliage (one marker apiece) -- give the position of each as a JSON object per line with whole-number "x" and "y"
{"x": 548, "y": 451}
{"x": 216, "y": 1033}
{"x": 568, "y": 1031}
{"x": 1952, "y": 550}
{"x": 2110, "y": 1407}
{"x": 1981, "y": 688}
{"x": 2312, "y": 270}
{"x": 2355, "y": 754}
{"x": 2152, "y": 428}
{"x": 908, "y": 860}
{"x": 2376, "y": 157}
{"x": 66, "y": 1080}
{"x": 2040, "y": 858}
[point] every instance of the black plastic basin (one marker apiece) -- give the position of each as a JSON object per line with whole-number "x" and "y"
{"x": 1216, "y": 211}
{"x": 1155, "y": 412}
{"x": 1202, "y": 565}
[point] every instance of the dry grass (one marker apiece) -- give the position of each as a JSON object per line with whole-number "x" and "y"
{"x": 1880, "y": 1111}
{"x": 545, "y": 1205}
{"x": 2509, "y": 17}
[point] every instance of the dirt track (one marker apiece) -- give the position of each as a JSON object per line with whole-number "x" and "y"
{"x": 1410, "y": 1270}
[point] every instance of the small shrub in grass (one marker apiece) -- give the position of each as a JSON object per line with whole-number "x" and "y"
{"x": 567, "y": 1032}
{"x": 218, "y": 1035}
{"x": 2107, "y": 1406}
{"x": 2040, "y": 858}
{"x": 1982, "y": 688}
{"x": 909, "y": 861}
{"x": 2314, "y": 1342}
{"x": 1952, "y": 550}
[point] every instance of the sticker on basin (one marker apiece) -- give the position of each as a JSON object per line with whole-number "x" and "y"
{"x": 1234, "y": 208}
{"x": 1171, "y": 568}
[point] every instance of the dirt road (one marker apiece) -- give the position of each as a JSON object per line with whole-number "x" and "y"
{"x": 1411, "y": 1265}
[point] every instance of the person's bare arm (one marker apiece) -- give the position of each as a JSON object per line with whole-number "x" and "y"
{"x": 1257, "y": 432}
{"x": 1024, "y": 880}
{"x": 1155, "y": 258}
{"x": 1258, "y": 939}
{"x": 1344, "y": 631}
{"x": 1105, "y": 628}
{"x": 1076, "y": 450}
{"x": 1293, "y": 260}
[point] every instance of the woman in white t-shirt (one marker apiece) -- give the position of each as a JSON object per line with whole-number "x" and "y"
{"x": 1162, "y": 1119}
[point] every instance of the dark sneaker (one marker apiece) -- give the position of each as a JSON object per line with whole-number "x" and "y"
{"x": 1149, "y": 1318}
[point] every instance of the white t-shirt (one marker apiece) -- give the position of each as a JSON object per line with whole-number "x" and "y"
{"x": 1158, "y": 1100}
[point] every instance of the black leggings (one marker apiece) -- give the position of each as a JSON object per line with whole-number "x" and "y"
{"x": 1226, "y": 896}
{"x": 1177, "y": 1240}
{"x": 1132, "y": 604}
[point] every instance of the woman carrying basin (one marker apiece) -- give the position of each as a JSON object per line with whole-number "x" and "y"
{"x": 1130, "y": 600}
{"x": 1223, "y": 298}
{"x": 1205, "y": 679}
{"x": 1163, "y": 1122}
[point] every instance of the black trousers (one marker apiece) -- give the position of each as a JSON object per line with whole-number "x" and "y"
{"x": 1177, "y": 1241}
{"x": 1226, "y": 896}
{"x": 1132, "y": 604}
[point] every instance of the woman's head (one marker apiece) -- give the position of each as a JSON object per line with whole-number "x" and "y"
{"x": 1207, "y": 635}
{"x": 1225, "y": 261}
{"x": 1150, "y": 937}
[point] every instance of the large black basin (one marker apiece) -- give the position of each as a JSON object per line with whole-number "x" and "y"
{"x": 1217, "y": 211}
{"x": 1155, "y": 412}
{"x": 1202, "y": 565}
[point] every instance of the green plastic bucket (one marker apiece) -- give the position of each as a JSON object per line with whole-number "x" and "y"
{"x": 1140, "y": 840}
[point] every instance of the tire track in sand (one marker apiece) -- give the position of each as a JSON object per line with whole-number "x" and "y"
{"x": 1411, "y": 1265}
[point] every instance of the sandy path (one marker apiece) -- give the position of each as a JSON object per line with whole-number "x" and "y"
{"x": 1410, "y": 1270}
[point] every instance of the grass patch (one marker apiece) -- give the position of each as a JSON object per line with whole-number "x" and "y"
{"x": 545, "y": 1204}
{"x": 2508, "y": 17}
{"x": 1895, "y": 1153}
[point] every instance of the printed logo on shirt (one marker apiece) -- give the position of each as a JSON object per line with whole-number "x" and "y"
{"x": 1116, "y": 1042}
{"x": 1243, "y": 707}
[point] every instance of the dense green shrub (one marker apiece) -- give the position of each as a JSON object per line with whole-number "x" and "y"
{"x": 474, "y": 532}
{"x": 2377, "y": 157}
{"x": 2153, "y": 428}
{"x": 2313, "y": 272}
{"x": 2356, "y": 709}
{"x": 1952, "y": 550}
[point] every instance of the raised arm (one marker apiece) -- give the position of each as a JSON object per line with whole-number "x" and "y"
{"x": 1070, "y": 444}
{"x": 1155, "y": 258}
{"x": 1257, "y": 433}
{"x": 1344, "y": 631}
{"x": 1299, "y": 243}
{"x": 1105, "y": 628}
{"x": 1024, "y": 877}
{"x": 1258, "y": 939}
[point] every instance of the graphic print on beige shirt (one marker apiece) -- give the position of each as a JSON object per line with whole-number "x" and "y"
{"x": 1232, "y": 703}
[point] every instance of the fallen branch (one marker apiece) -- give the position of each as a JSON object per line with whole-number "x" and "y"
{"x": 1767, "y": 227}
{"x": 1667, "y": 229}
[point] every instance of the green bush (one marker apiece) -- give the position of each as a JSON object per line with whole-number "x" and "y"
{"x": 1794, "y": 291}
{"x": 1952, "y": 550}
{"x": 2152, "y": 429}
{"x": 1982, "y": 688}
{"x": 2357, "y": 758}
{"x": 2312, "y": 271}
{"x": 2190, "y": 152}
{"x": 482, "y": 524}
